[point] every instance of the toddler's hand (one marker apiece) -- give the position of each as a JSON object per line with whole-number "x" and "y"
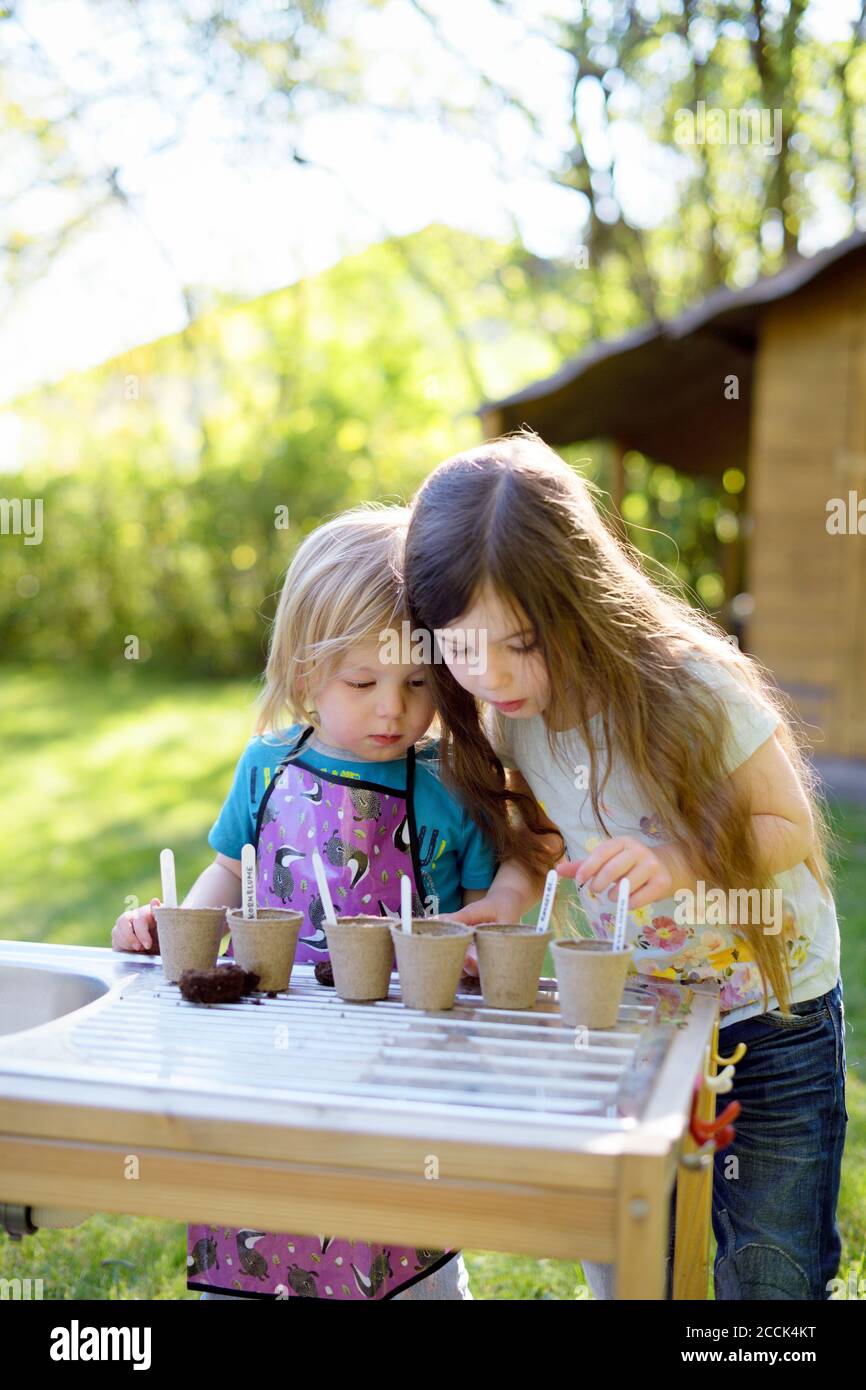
{"x": 490, "y": 908}
{"x": 136, "y": 931}
{"x": 470, "y": 961}
{"x": 472, "y": 916}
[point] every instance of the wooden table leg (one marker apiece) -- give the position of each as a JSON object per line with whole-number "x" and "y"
{"x": 694, "y": 1203}
{"x": 642, "y": 1227}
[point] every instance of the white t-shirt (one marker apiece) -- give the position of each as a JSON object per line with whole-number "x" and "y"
{"x": 667, "y": 944}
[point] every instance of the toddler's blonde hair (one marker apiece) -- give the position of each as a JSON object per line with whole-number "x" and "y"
{"x": 342, "y": 588}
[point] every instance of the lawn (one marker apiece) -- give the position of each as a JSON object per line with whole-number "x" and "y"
{"x": 99, "y": 774}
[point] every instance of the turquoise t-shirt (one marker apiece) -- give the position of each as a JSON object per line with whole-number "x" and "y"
{"x": 454, "y": 852}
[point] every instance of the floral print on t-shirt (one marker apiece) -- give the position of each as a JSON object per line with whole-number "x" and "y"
{"x": 669, "y": 950}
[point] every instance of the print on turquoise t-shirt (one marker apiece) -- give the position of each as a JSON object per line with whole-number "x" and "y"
{"x": 454, "y": 851}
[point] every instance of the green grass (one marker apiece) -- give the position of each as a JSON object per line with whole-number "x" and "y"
{"x": 98, "y": 775}
{"x": 850, "y": 823}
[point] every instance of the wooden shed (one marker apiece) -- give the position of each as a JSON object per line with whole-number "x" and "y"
{"x": 796, "y": 342}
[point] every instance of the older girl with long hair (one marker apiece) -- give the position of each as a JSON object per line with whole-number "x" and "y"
{"x": 665, "y": 755}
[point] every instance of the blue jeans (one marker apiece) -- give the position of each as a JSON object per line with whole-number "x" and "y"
{"x": 774, "y": 1208}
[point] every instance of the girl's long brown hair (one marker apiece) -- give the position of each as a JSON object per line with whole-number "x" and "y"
{"x": 513, "y": 516}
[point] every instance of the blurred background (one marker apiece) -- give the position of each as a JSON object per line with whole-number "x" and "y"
{"x": 261, "y": 261}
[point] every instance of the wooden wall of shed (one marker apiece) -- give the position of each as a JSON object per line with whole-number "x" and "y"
{"x": 809, "y": 445}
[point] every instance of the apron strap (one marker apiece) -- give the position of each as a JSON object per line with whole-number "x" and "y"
{"x": 410, "y": 774}
{"x": 302, "y": 738}
{"x": 417, "y": 871}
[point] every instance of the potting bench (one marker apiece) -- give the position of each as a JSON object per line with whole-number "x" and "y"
{"x": 469, "y": 1128}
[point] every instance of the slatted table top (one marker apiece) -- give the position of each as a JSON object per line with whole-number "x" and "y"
{"x": 513, "y": 1066}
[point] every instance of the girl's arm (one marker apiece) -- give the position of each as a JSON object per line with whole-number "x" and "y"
{"x": 511, "y": 893}
{"x": 780, "y": 811}
{"x": 513, "y": 890}
{"x": 219, "y": 885}
{"x": 473, "y": 895}
{"x": 781, "y": 816}
{"x": 782, "y": 824}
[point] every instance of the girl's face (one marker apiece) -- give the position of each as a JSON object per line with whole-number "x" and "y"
{"x": 374, "y": 708}
{"x": 513, "y": 676}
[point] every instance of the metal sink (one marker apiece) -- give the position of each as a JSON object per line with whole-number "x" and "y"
{"x": 31, "y": 996}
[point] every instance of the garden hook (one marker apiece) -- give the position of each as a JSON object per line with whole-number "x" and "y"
{"x": 722, "y": 1082}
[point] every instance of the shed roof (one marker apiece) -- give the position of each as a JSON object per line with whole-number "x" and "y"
{"x": 660, "y": 388}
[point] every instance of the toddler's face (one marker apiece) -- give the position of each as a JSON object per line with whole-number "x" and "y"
{"x": 513, "y": 675}
{"x": 374, "y": 708}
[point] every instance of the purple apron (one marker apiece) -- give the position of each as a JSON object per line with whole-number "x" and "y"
{"x": 367, "y": 837}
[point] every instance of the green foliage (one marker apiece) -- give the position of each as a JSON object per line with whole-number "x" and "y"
{"x": 786, "y": 149}
{"x": 166, "y": 475}
{"x": 177, "y": 479}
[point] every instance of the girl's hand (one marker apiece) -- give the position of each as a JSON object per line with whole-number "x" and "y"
{"x": 651, "y": 872}
{"x": 470, "y": 916}
{"x": 470, "y": 961}
{"x": 494, "y": 907}
{"x": 482, "y": 910}
{"x": 136, "y": 931}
